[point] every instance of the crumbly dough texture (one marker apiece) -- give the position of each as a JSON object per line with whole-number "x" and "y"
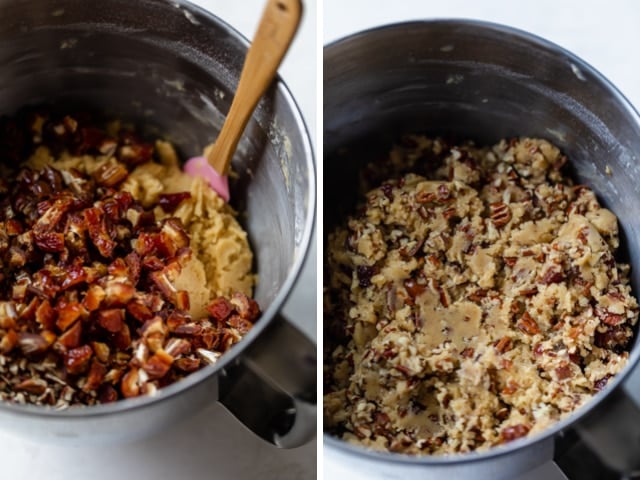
{"x": 472, "y": 307}
{"x": 223, "y": 260}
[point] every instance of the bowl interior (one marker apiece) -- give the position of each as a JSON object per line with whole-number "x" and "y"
{"x": 484, "y": 82}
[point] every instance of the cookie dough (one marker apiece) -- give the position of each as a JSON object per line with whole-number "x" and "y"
{"x": 475, "y": 303}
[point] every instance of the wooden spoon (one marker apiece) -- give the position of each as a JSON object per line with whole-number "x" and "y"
{"x": 276, "y": 29}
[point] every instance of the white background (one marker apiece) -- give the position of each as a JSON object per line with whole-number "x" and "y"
{"x": 606, "y": 34}
{"x": 212, "y": 444}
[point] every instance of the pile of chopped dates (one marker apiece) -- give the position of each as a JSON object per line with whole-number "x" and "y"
{"x": 88, "y": 309}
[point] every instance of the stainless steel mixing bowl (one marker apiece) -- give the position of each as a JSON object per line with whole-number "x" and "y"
{"x": 475, "y": 80}
{"x": 172, "y": 68}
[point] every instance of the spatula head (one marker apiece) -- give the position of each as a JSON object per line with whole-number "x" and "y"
{"x": 199, "y": 167}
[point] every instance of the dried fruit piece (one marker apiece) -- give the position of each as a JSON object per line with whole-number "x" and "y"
{"x": 101, "y": 351}
{"x": 514, "y": 431}
{"x": 95, "y": 377}
{"x": 72, "y": 337}
{"x": 77, "y": 359}
{"x": 552, "y": 275}
{"x": 94, "y": 297}
{"x": 118, "y": 293}
{"x": 97, "y": 228}
{"x": 158, "y": 364}
{"x": 68, "y": 314}
{"x": 503, "y": 345}
{"x": 170, "y": 201}
{"x": 8, "y": 341}
{"x": 111, "y": 319}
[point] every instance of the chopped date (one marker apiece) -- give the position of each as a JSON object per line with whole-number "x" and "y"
{"x": 528, "y": 325}
{"x": 77, "y": 360}
{"x": 387, "y": 190}
{"x": 500, "y": 214}
{"x": 135, "y": 153}
{"x": 601, "y": 383}
{"x": 72, "y": 337}
{"x": 613, "y": 338}
{"x": 365, "y": 273}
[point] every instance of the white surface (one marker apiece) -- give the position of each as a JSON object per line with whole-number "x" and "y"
{"x": 211, "y": 445}
{"x": 604, "y": 34}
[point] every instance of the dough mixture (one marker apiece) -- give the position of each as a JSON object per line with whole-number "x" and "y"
{"x": 471, "y": 305}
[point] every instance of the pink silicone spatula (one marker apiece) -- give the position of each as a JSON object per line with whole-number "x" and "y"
{"x": 276, "y": 29}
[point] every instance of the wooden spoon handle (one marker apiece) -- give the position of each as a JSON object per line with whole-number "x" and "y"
{"x": 276, "y": 29}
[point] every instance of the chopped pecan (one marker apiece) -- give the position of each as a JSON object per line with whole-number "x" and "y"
{"x": 503, "y": 345}
{"x": 95, "y": 377}
{"x": 187, "y": 364}
{"x": 72, "y": 337}
{"x": 528, "y": 325}
{"x": 129, "y": 385}
{"x": 158, "y": 364}
{"x": 246, "y": 307}
{"x": 500, "y": 214}
{"x": 97, "y": 228}
{"x": 94, "y": 297}
{"x": 101, "y": 351}
{"x": 8, "y": 341}
{"x": 36, "y": 386}
{"x": 514, "y": 431}
{"x": 467, "y": 352}
{"x": 608, "y": 317}
{"x": 241, "y": 324}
